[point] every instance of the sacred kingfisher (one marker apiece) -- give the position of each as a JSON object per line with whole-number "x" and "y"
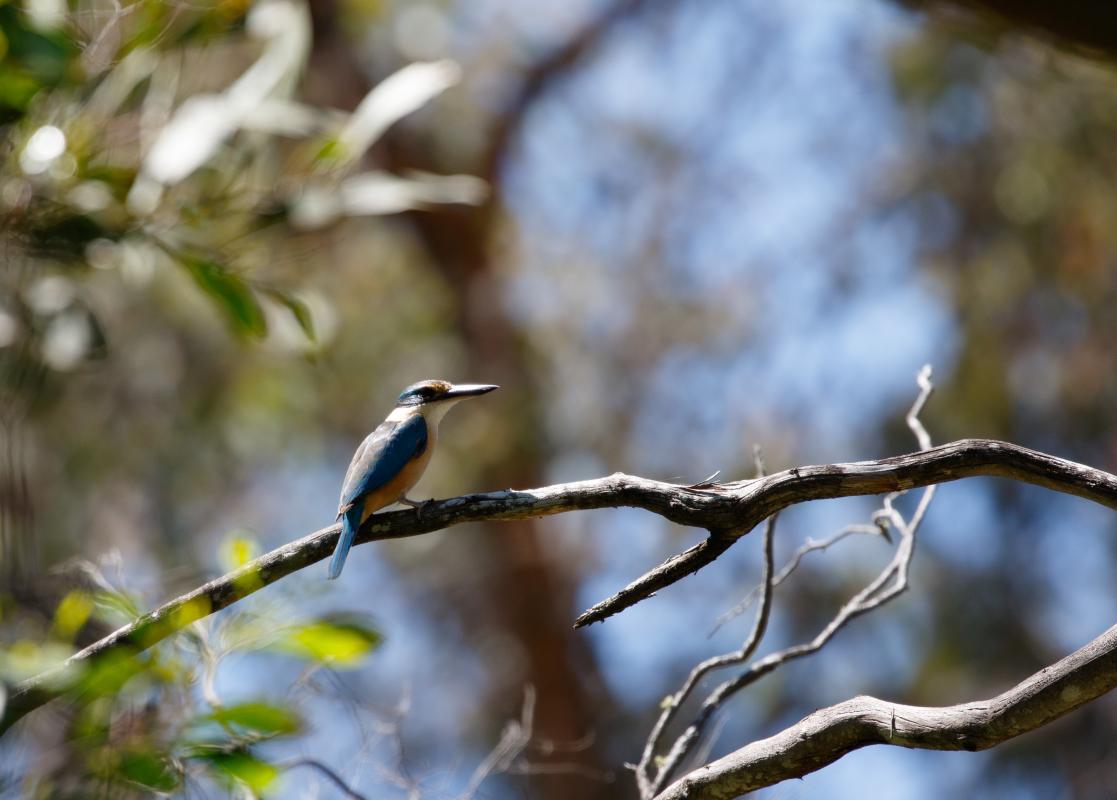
{"x": 392, "y": 458}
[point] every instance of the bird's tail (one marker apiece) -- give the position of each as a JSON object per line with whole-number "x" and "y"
{"x": 350, "y": 521}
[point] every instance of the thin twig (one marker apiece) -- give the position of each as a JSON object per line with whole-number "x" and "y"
{"x": 647, "y": 772}
{"x": 648, "y": 783}
{"x": 830, "y": 733}
{"x": 810, "y": 546}
{"x": 515, "y": 739}
{"x": 889, "y": 584}
{"x": 336, "y": 779}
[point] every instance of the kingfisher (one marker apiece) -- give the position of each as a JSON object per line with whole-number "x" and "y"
{"x": 392, "y": 458}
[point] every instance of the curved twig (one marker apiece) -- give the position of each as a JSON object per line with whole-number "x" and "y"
{"x": 338, "y": 782}
{"x": 648, "y": 774}
{"x": 827, "y": 735}
{"x": 889, "y": 584}
{"x": 729, "y": 510}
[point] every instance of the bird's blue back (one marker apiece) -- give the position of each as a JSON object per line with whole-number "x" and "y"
{"x": 379, "y": 459}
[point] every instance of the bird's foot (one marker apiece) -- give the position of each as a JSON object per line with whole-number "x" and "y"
{"x": 418, "y": 505}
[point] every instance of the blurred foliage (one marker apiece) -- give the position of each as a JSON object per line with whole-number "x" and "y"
{"x": 333, "y": 642}
{"x": 199, "y": 320}
{"x": 102, "y": 175}
{"x": 155, "y": 172}
{"x": 143, "y": 724}
{"x": 1008, "y": 171}
{"x": 159, "y": 180}
{"x": 1010, "y": 177}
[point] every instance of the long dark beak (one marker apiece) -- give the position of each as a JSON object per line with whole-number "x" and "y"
{"x": 469, "y": 389}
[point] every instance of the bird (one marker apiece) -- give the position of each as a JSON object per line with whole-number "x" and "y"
{"x": 392, "y": 458}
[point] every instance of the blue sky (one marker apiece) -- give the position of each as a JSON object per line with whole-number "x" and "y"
{"x": 748, "y": 141}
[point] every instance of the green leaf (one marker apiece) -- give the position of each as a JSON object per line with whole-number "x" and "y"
{"x": 243, "y": 767}
{"x": 106, "y": 674}
{"x": 299, "y": 310}
{"x": 45, "y": 57}
{"x": 330, "y": 152}
{"x": 71, "y": 614}
{"x": 334, "y": 643}
{"x": 237, "y": 550}
{"x": 258, "y": 717}
{"x": 231, "y": 292}
{"x": 149, "y": 769}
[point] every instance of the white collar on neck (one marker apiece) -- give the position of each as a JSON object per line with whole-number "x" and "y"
{"x": 432, "y": 412}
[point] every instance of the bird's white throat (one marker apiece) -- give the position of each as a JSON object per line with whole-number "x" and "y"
{"x": 433, "y": 412}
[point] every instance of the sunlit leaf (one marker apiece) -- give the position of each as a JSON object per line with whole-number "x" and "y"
{"x": 190, "y": 611}
{"x": 261, "y": 718}
{"x": 190, "y": 138}
{"x": 377, "y": 192}
{"x": 16, "y": 92}
{"x": 24, "y": 658}
{"x": 231, "y": 292}
{"x": 91, "y": 720}
{"x": 392, "y": 99}
{"x": 243, "y": 767}
{"x": 168, "y": 669}
{"x": 237, "y": 550}
{"x": 334, "y": 643}
{"x": 71, "y": 614}
{"x": 329, "y": 152}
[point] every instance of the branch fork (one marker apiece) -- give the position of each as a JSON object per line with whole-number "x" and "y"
{"x": 728, "y": 511}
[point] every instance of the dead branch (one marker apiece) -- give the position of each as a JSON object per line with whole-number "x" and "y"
{"x": 889, "y": 584}
{"x": 827, "y": 735}
{"x": 728, "y": 511}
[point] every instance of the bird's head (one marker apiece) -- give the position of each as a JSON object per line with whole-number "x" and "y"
{"x": 430, "y": 395}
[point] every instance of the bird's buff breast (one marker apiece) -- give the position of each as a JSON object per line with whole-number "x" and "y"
{"x": 400, "y": 485}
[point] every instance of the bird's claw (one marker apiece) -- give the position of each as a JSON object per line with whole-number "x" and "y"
{"x": 418, "y": 505}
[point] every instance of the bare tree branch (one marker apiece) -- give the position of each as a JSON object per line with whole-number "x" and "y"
{"x": 670, "y": 571}
{"x": 650, "y": 776}
{"x": 809, "y": 546}
{"x": 649, "y": 782}
{"x": 513, "y": 741}
{"x": 962, "y": 459}
{"x": 827, "y": 735}
{"x": 731, "y": 507}
{"x": 889, "y": 584}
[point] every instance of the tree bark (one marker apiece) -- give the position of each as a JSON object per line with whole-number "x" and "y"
{"x": 733, "y": 508}
{"x": 1082, "y": 26}
{"x": 827, "y": 735}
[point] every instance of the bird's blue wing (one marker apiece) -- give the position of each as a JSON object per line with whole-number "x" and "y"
{"x": 381, "y": 456}
{"x": 350, "y": 521}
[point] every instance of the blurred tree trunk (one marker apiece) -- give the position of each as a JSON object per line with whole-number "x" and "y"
{"x": 524, "y": 594}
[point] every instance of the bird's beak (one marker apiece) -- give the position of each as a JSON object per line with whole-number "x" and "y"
{"x": 469, "y": 390}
